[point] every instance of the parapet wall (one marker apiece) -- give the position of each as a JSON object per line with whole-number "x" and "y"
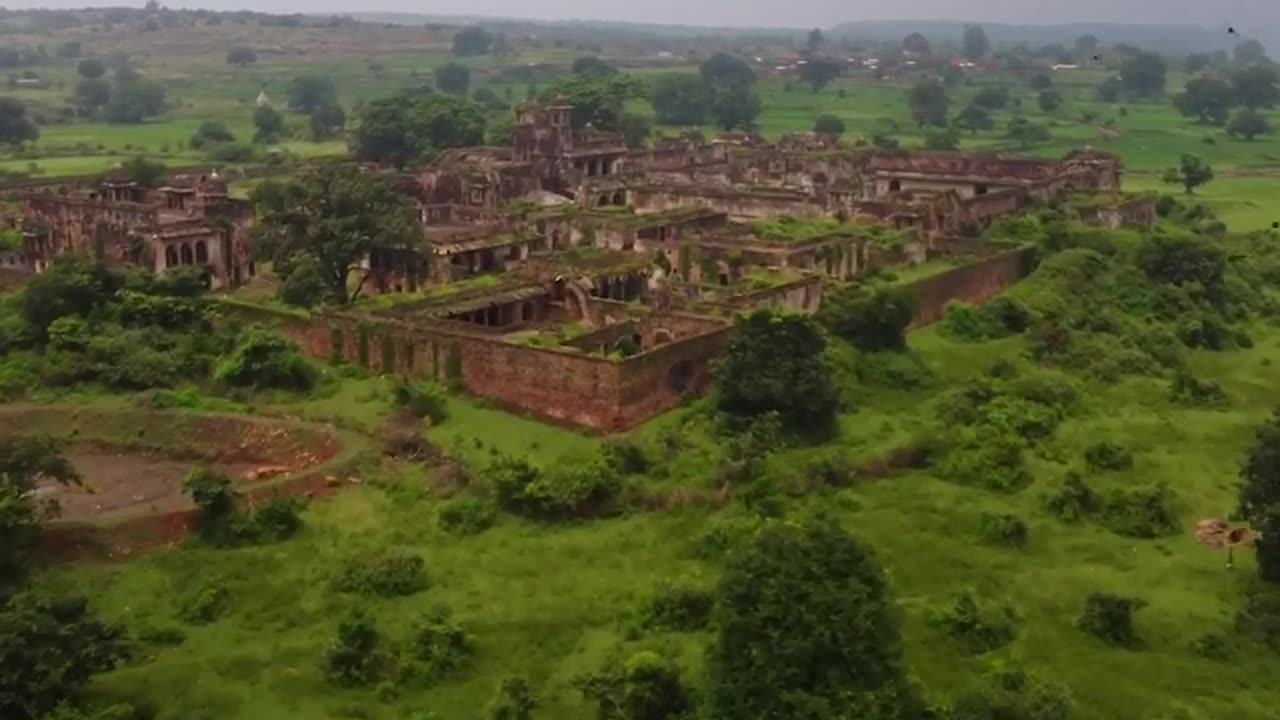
{"x": 970, "y": 283}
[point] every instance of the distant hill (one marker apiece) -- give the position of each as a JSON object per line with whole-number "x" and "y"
{"x": 1172, "y": 39}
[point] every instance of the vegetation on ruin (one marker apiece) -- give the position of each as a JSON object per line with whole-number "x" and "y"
{"x": 993, "y": 520}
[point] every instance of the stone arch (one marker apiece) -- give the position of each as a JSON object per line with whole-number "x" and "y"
{"x": 680, "y": 376}
{"x": 662, "y": 336}
{"x": 819, "y": 178}
{"x": 187, "y": 257}
{"x": 895, "y": 185}
{"x": 603, "y": 200}
{"x": 202, "y": 252}
{"x": 170, "y": 256}
{"x": 620, "y": 198}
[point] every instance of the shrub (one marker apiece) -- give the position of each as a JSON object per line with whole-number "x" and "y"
{"x": 421, "y": 398}
{"x": 1010, "y": 693}
{"x": 875, "y": 321}
{"x": 1006, "y": 529}
{"x": 893, "y": 370}
{"x": 1074, "y": 500}
{"x": 215, "y": 503}
{"x": 279, "y": 519}
{"x": 264, "y": 360}
{"x": 724, "y": 531}
{"x": 1186, "y": 389}
{"x": 1110, "y": 618}
{"x": 1142, "y": 512}
{"x": 1260, "y": 616}
{"x": 205, "y": 605}
{"x": 1001, "y": 317}
{"x": 993, "y": 461}
{"x": 625, "y": 457}
{"x": 978, "y": 626}
{"x": 513, "y": 701}
{"x": 354, "y": 657}
{"x": 1108, "y": 456}
{"x": 386, "y": 573}
{"x": 679, "y": 606}
{"x": 1212, "y": 646}
{"x": 467, "y": 515}
{"x": 646, "y": 687}
{"x": 568, "y": 490}
{"x": 438, "y": 646}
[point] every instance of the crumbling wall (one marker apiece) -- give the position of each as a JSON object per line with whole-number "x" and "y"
{"x": 970, "y": 283}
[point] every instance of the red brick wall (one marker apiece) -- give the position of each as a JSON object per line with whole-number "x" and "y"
{"x": 971, "y": 283}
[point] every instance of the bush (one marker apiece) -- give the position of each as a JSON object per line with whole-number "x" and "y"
{"x": 205, "y": 605}
{"x": 978, "y": 626}
{"x": 1212, "y": 646}
{"x": 992, "y": 461}
{"x": 467, "y": 515}
{"x": 1108, "y": 456}
{"x": 513, "y": 701}
{"x": 1260, "y": 616}
{"x": 264, "y": 360}
{"x": 1186, "y": 389}
{"x": 893, "y": 370}
{"x": 724, "y": 531}
{"x": 279, "y": 519}
{"x": 624, "y": 457}
{"x": 354, "y": 656}
{"x": 1008, "y": 530}
{"x": 1142, "y": 512}
{"x": 1010, "y": 693}
{"x": 873, "y": 322}
{"x": 421, "y": 398}
{"x": 646, "y": 687}
{"x": 438, "y": 646}
{"x": 1110, "y": 618}
{"x": 567, "y": 490}
{"x": 678, "y": 606}
{"x": 1001, "y": 317}
{"x": 386, "y": 573}
{"x": 1074, "y": 500}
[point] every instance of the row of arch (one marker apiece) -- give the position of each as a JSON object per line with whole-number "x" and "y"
{"x": 185, "y": 255}
{"x": 617, "y": 199}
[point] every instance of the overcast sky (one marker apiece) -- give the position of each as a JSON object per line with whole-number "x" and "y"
{"x": 1263, "y": 16}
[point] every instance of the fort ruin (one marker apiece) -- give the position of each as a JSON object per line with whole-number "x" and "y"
{"x": 571, "y": 277}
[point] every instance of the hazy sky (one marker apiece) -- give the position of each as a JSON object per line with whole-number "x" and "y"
{"x": 1263, "y": 16}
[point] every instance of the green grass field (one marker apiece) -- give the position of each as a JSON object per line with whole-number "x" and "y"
{"x": 552, "y": 602}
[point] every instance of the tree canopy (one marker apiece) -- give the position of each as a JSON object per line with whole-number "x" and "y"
{"x": 723, "y": 69}
{"x": 1259, "y": 495}
{"x": 1143, "y": 74}
{"x": 15, "y": 126}
{"x": 472, "y": 41}
{"x": 1250, "y": 51}
{"x": 329, "y": 218}
{"x": 1207, "y": 99}
{"x": 453, "y": 78}
{"x": 598, "y": 101}
{"x": 90, "y": 68}
{"x": 1248, "y": 124}
{"x": 775, "y": 363}
{"x": 974, "y": 42}
{"x": 1191, "y": 173}
{"x": 592, "y": 66}
{"x": 241, "y": 56}
{"x": 819, "y": 71}
{"x": 268, "y": 125}
{"x": 929, "y": 102}
{"x": 1255, "y": 86}
{"x": 681, "y": 99}
{"x": 828, "y": 125}
{"x": 308, "y": 92}
{"x": 409, "y": 128}
{"x": 807, "y": 629}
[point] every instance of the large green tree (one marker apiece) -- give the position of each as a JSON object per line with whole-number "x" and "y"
{"x": 15, "y": 126}
{"x": 1191, "y": 173}
{"x": 775, "y": 363}
{"x": 681, "y": 99}
{"x": 1248, "y": 124}
{"x": 1259, "y": 495}
{"x": 329, "y": 219}
{"x": 134, "y": 100}
{"x": 24, "y": 461}
{"x": 974, "y": 42}
{"x": 1250, "y": 51}
{"x": 872, "y": 321}
{"x": 928, "y": 101}
{"x": 1255, "y": 86}
{"x": 807, "y": 629}
{"x": 409, "y": 128}
{"x": 1143, "y": 74}
{"x": 1207, "y": 99}
{"x": 723, "y": 69}
{"x": 309, "y": 92}
{"x": 597, "y": 101}
{"x": 453, "y": 78}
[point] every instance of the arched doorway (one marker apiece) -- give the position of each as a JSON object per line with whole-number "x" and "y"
{"x": 187, "y": 257}
{"x": 170, "y": 256}
{"x": 202, "y": 252}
